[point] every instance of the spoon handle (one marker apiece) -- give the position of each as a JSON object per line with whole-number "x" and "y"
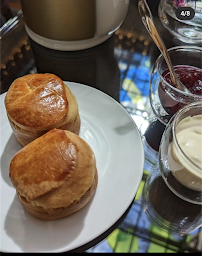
{"x": 148, "y": 21}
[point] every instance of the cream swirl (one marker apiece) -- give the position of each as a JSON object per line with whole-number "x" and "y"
{"x": 185, "y": 155}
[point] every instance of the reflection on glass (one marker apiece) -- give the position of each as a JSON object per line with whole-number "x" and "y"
{"x": 167, "y": 210}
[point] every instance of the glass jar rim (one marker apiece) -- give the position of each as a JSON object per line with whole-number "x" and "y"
{"x": 180, "y": 112}
{"x": 159, "y": 60}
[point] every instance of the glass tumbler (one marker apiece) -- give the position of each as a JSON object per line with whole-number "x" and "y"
{"x": 172, "y": 195}
{"x": 168, "y": 211}
{"x": 180, "y": 154}
{"x": 186, "y": 30}
{"x": 165, "y": 99}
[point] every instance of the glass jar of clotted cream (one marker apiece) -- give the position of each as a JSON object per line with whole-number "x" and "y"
{"x": 180, "y": 153}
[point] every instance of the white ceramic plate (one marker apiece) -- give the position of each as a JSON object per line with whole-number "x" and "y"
{"x": 118, "y": 148}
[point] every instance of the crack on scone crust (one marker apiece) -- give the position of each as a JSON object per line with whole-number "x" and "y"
{"x": 49, "y": 210}
{"x": 62, "y": 212}
{"x": 32, "y": 87}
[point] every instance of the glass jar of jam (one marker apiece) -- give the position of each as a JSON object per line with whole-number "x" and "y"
{"x": 165, "y": 98}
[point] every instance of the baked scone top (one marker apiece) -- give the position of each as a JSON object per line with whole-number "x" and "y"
{"x": 37, "y": 100}
{"x": 54, "y": 170}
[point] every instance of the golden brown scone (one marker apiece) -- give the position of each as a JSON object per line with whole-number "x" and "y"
{"x": 55, "y": 175}
{"x": 37, "y": 103}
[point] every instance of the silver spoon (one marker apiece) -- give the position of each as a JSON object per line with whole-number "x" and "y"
{"x": 147, "y": 20}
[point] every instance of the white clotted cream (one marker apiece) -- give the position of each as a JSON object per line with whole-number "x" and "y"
{"x": 187, "y": 170}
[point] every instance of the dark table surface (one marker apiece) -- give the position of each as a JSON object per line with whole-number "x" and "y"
{"x": 120, "y": 67}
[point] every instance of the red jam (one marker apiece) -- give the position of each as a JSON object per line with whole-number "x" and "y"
{"x": 190, "y": 76}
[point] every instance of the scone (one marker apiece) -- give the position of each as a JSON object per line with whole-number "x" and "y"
{"x": 55, "y": 175}
{"x": 37, "y": 103}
